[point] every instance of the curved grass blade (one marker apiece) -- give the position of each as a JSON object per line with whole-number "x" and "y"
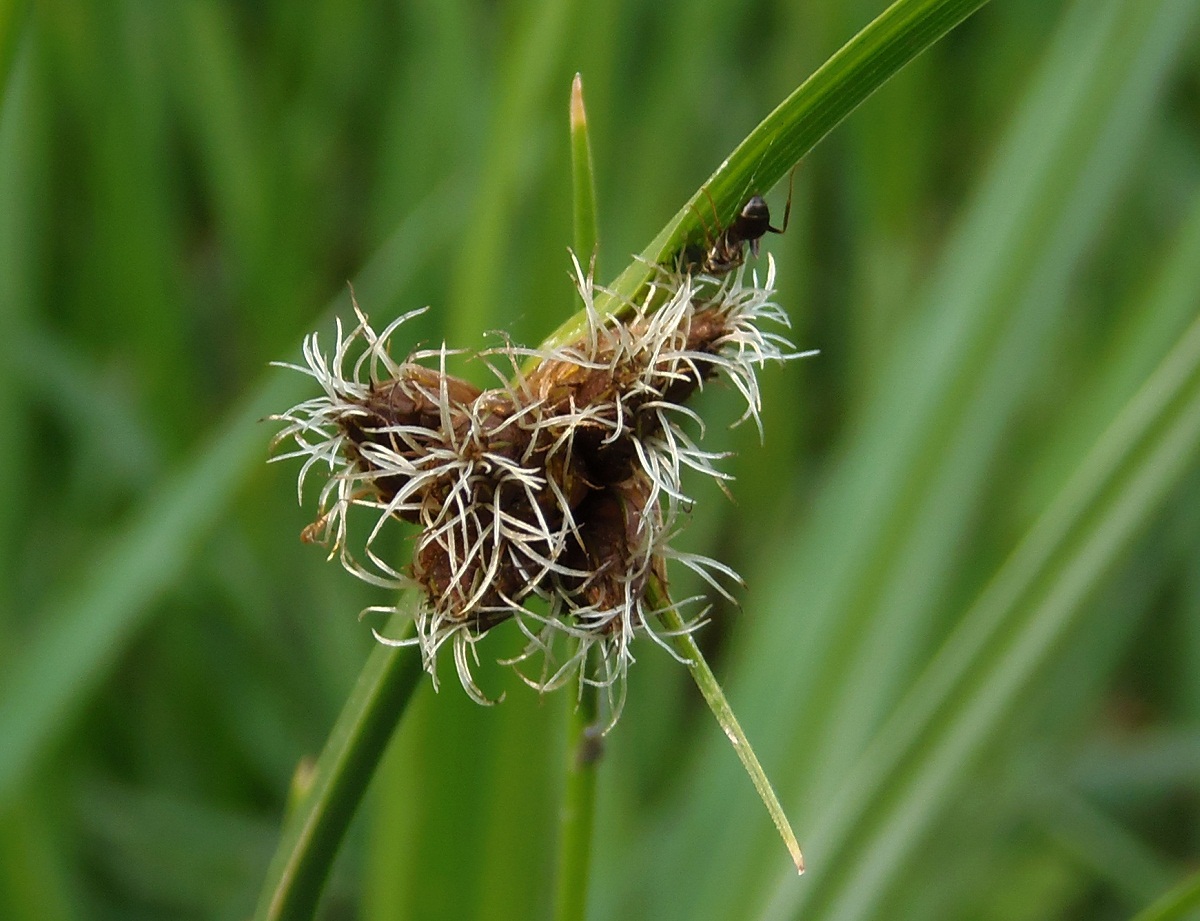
{"x": 898, "y": 35}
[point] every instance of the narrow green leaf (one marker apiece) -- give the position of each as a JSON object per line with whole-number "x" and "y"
{"x": 21, "y": 198}
{"x": 714, "y": 696}
{"x": 78, "y": 639}
{"x": 855, "y": 598}
{"x": 1116, "y": 855}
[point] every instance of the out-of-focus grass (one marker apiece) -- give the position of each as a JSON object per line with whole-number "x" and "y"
{"x": 993, "y": 254}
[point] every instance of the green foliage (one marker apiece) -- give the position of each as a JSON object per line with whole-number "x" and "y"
{"x": 969, "y": 538}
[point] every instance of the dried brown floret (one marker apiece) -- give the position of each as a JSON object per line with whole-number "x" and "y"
{"x": 564, "y": 485}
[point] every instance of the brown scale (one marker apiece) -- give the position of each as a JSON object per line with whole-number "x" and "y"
{"x": 491, "y": 435}
{"x": 497, "y": 436}
{"x": 433, "y": 569}
{"x": 413, "y": 399}
{"x": 561, "y": 384}
{"x": 706, "y": 329}
{"x": 610, "y": 521}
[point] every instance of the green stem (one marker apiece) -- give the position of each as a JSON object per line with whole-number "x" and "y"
{"x": 658, "y": 599}
{"x": 315, "y": 826}
{"x": 577, "y": 817}
{"x": 582, "y": 754}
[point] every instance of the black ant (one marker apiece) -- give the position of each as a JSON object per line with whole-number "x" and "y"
{"x": 727, "y": 251}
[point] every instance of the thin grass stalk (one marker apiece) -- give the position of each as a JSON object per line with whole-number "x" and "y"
{"x": 577, "y": 817}
{"x": 14, "y": 17}
{"x": 317, "y": 822}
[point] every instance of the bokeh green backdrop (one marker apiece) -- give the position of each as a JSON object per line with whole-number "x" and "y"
{"x": 992, "y": 255}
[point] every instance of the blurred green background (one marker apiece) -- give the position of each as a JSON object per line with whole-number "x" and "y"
{"x": 993, "y": 254}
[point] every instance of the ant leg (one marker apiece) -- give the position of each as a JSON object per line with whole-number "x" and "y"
{"x": 712, "y": 204}
{"x": 703, "y": 224}
{"x": 693, "y": 256}
{"x": 787, "y": 209}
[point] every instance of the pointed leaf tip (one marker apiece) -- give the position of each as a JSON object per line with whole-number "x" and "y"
{"x": 578, "y": 113}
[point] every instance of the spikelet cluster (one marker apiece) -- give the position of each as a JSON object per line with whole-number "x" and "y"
{"x": 550, "y": 499}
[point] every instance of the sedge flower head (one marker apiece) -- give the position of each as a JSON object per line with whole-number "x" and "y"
{"x": 550, "y": 500}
